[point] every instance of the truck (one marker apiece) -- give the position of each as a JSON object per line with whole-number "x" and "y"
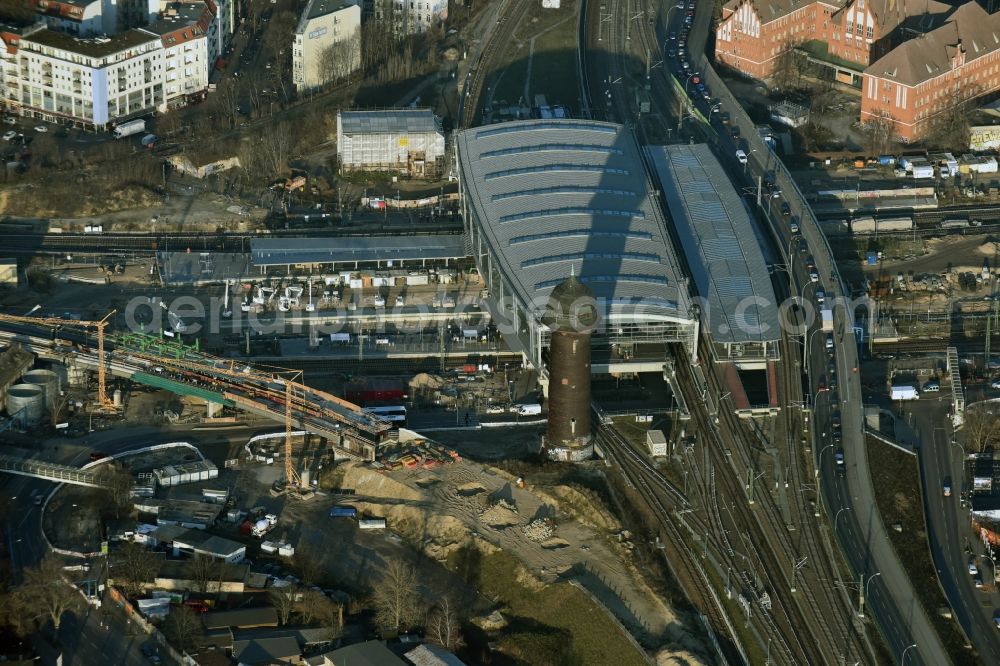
{"x": 904, "y": 392}
{"x": 260, "y": 528}
{"x": 827, "y": 315}
{"x": 131, "y": 127}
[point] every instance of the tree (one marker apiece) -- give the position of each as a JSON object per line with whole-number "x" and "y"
{"x": 201, "y": 570}
{"x": 980, "y": 428}
{"x": 880, "y": 130}
{"x": 316, "y": 608}
{"x": 308, "y": 566}
{"x": 283, "y": 600}
{"x": 340, "y": 59}
{"x": 45, "y": 595}
{"x": 134, "y": 567}
{"x": 396, "y": 600}
{"x": 118, "y": 483}
{"x": 444, "y": 625}
{"x": 182, "y": 627}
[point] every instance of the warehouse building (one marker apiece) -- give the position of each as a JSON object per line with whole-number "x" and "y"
{"x": 545, "y": 199}
{"x": 405, "y": 141}
{"x": 327, "y": 43}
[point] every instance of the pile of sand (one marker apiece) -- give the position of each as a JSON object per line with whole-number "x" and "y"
{"x": 426, "y": 382}
{"x": 369, "y": 483}
{"x": 581, "y": 504}
{"x": 500, "y": 515}
{"x": 989, "y": 249}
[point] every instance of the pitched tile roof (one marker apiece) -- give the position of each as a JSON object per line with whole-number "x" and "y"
{"x": 969, "y": 29}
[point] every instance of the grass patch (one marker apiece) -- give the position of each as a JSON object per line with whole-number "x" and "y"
{"x": 554, "y": 623}
{"x": 897, "y": 494}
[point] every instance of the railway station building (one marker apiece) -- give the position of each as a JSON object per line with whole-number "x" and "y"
{"x": 715, "y": 229}
{"x": 549, "y": 198}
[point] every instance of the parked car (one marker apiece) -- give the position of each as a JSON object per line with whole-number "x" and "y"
{"x": 10, "y": 120}
{"x": 995, "y": 384}
{"x": 41, "y": 128}
{"x": 9, "y": 135}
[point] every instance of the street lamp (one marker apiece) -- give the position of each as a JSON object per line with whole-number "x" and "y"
{"x": 819, "y": 462}
{"x": 687, "y": 80}
{"x": 805, "y": 352}
{"x": 902, "y": 659}
{"x": 747, "y": 163}
{"x": 837, "y": 517}
{"x": 861, "y": 601}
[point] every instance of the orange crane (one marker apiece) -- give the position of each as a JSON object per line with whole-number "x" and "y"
{"x": 102, "y": 388}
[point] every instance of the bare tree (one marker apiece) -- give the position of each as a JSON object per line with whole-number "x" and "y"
{"x": 201, "y": 570}
{"x": 134, "y": 567}
{"x": 341, "y": 59}
{"x": 283, "y": 600}
{"x": 317, "y": 608}
{"x": 118, "y": 484}
{"x": 46, "y": 594}
{"x": 396, "y": 600}
{"x": 444, "y": 626}
{"x": 980, "y": 429}
{"x": 182, "y": 627}
{"x": 880, "y": 130}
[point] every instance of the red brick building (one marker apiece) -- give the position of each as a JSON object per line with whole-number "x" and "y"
{"x": 932, "y": 73}
{"x": 753, "y": 34}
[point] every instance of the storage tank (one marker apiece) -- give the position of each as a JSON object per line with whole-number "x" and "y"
{"x": 26, "y": 404}
{"x": 571, "y": 314}
{"x": 48, "y": 381}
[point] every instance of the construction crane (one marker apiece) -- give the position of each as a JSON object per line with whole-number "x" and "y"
{"x": 291, "y": 476}
{"x": 103, "y": 402}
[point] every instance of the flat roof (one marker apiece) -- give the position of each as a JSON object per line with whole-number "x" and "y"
{"x": 389, "y": 121}
{"x": 194, "y": 268}
{"x": 317, "y": 8}
{"x": 284, "y": 251}
{"x": 553, "y": 197}
{"x": 721, "y": 246}
{"x": 94, "y": 47}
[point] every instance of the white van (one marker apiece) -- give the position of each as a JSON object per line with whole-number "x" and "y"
{"x": 932, "y": 387}
{"x": 829, "y": 341}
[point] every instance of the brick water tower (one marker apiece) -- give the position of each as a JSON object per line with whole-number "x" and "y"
{"x": 571, "y": 315}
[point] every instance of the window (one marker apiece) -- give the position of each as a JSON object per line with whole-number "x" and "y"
{"x": 871, "y": 32}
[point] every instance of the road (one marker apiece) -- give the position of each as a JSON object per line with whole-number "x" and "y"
{"x": 99, "y": 636}
{"x": 952, "y": 541}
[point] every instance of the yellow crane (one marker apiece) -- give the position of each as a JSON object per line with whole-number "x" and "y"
{"x": 103, "y": 401}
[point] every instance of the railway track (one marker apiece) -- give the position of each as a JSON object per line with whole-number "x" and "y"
{"x": 683, "y": 562}
{"x": 498, "y": 38}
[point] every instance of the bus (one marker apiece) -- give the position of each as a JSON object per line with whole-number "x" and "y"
{"x": 395, "y": 414}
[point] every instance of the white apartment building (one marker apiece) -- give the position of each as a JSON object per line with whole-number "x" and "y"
{"x": 323, "y": 26}
{"x": 89, "y": 83}
{"x": 184, "y": 32}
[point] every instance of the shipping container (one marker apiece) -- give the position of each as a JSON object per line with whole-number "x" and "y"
{"x": 827, "y": 315}
{"x": 863, "y": 225}
{"x": 904, "y": 393}
{"x": 895, "y": 224}
{"x": 372, "y": 523}
{"x": 343, "y": 512}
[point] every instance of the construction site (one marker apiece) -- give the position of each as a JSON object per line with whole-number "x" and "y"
{"x": 313, "y": 454}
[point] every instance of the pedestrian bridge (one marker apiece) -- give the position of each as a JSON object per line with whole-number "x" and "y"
{"x": 39, "y": 469}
